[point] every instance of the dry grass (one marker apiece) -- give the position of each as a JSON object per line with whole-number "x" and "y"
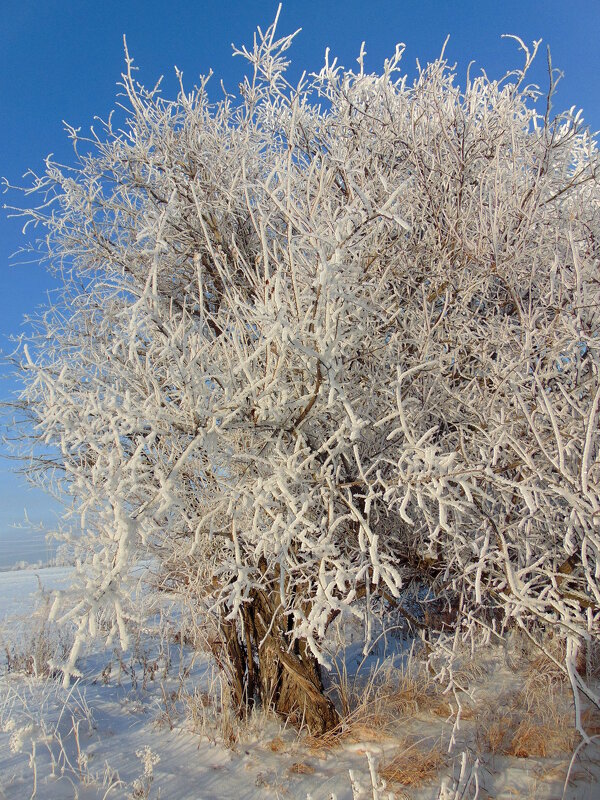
{"x": 415, "y": 764}
{"x": 32, "y": 658}
{"x": 492, "y": 731}
{"x": 523, "y": 726}
{"x": 37, "y": 649}
{"x": 382, "y": 704}
{"x": 536, "y": 739}
{"x": 276, "y": 745}
{"x": 196, "y": 706}
{"x": 590, "y": 720}
{"x": 545, "y": 659}
{"x": 591, "y": 657}
{"x": 211, "y": 712}
{"x": 357, "y": 727}
{"x": 373, "y": 709}
{"x": 543, "y": 675}
{"x": 536, "y": 718}
{"x": 376, "y": 708}
{"x": 416, "y": 693}
{"x": 301, "y": 768}
{"x": 533, "y": 720}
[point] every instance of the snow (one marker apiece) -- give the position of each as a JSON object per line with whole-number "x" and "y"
{"x": 118, "y": 734}
{"x": 19, "y": 589}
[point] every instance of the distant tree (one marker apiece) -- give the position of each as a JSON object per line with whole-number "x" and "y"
{"x": 319, "y": 344}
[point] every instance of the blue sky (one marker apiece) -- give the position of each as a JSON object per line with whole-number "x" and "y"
{"x": 61, "y": 59}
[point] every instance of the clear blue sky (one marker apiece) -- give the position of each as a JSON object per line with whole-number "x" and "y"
{"x": 60, "y": 60}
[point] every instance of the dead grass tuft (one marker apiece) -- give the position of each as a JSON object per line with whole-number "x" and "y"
{"x": 522, "y": 727}
{"x": 378, "y": 712}
{"x": 590, "y": 720}
{"x": 416, "y": 693}
{"x": 544, "y": 675}
{"x": 536, "y": 739}
{"x": 276, "y": 745}
{"x": 375, "y": 707}
{"x": 354, "y": 728}
{"x": 300, "y": 768}
{"x": 415, "y": 764}
{"x": 492, "y": 731}
{"x": 371, "y": 708}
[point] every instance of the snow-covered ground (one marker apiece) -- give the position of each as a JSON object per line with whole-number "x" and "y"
{"x": 20, "y": 590}
{"x": 128, "y": 729}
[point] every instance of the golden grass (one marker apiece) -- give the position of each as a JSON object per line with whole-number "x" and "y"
{"x": 491, "y": 733}
{"x": 590, "y": 719}
{"x": 522, "y": 725}
{"x": 537, "y": 739}
{"x": 544, "y": 675}
{"x": 276, "y": 745}
{"x": 357, "y": 727}
{"x": 301, "y": 768}
{"x": 415, "y": 764}
{"x": 375, "y": 710}
{"x": 416, "y": 693}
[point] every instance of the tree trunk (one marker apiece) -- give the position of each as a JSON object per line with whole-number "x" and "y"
{"x": 263, "y": 667}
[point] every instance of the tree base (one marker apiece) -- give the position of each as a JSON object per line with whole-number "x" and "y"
{"x": 263, "y": 668}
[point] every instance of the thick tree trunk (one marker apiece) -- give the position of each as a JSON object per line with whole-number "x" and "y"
{"x": 263, "y": 667}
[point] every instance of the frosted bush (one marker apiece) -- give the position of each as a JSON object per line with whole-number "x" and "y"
{"x": 318, "y": 343}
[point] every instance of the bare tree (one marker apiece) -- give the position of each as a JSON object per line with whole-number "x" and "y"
{"x": 319, "y": 343}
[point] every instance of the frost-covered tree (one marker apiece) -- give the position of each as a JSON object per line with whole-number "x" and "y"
{"x": 318, "y": 344}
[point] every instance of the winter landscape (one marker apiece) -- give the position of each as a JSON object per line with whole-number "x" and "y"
{"x": 319, "y": 394}
{"x": 148, "y": 723}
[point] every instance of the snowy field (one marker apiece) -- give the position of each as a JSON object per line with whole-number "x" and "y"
{"x": 20, "y": 589}
{"x": 129, "y": 728}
